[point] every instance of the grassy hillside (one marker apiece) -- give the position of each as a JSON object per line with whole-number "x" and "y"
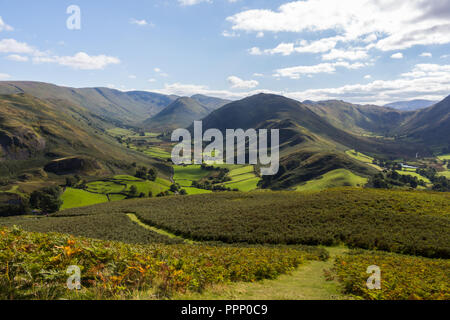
{"x": 211, "y": 103}
{"x": 430, "y": 125}
{"x": 179, "y": 114}
{"x": 41, "y": 142}
{"x": 117, "y": 106}
{"x": 333, "y": 179}
{"x": 361, "y": 119}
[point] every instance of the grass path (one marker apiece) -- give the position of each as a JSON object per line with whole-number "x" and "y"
{"x": 305, "y": 283}
{"x": 135, "y": 219}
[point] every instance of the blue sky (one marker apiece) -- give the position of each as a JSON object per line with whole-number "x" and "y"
{"x": 363, "y": 51}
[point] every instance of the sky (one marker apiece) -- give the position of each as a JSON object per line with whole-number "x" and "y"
{"x": 361, "y": 51}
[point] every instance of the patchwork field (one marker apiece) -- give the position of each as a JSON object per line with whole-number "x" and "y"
{"x": 113, "y": 189}
{"x": 73, "y": 198}
{"x": 333, "y": 179}
{"x": 185, "y": 175}
{"x": 414, "y": 174}
{"x": 243, "y": 178}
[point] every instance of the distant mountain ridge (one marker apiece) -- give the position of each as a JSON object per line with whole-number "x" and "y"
{"x": 122, "y": 107}
{"x": 410, "y": 105}
{"x": 179, "y": 114}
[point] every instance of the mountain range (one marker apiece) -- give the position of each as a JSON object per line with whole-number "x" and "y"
{"x": 410, "y": 105}
{"x": 41, "y": 122}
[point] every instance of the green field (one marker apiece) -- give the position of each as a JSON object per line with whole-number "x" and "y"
{"x": 445, "y": 174}
{"x": 444, "y": 157}
{"x": 157, "y": 153}
{"x": 114, "y": 189}
{"x": 359, "y": 156}
{"x": 120, "y": 132}
{"x": 242, "y": 177}
{"x": 191, "y": 191}
{"x": 244, "y": 185}
{"x": 185, "y": 175}
{"x": 333, "y": 179}
{"x": 414, "y": 174}
{"x": 73, "y": 198}
{"x": 105, "y": 187}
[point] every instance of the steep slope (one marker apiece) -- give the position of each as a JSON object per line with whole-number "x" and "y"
{"x": 309, "y": 145}
{"x": 179, "y": 114}
{"x": 431, "y": 125}
{"x": 410, "y": 105}
{"x": 122, "y": 107}
{"x": 361, "y": 119}
{"x": 211, "y": 103}
{"x": 35, "y": 132}
{"x": 292, "y": 116}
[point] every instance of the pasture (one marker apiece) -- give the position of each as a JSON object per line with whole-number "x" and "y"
{"x": 333, "y": 179}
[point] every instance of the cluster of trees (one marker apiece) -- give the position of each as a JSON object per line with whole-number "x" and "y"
{"x": 211, "y": 185}
{"x": 13, "y": 205}
{"x": 146, "y": 174}
{"x": 393, "y": 178}
{"x": 440, "y": 183}
{"x": 76, "y": 182}
{"x": 48, "y": 199}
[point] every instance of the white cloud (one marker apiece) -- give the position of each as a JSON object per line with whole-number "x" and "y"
{"x": 397, "y": 55}
{"x": 4, "y": 76}
{"x": 445, "y": 56}
{"x": 228, "y": 34}
{"x": 14, "y": 46}
{"x": 18, "y": 58}
{"x": 319, "y": 46}
{"x": 368, "y": 77}
{"x": 425, "y": 81}
{"x": 255, "y": 51}
{"x": 238, "y": 83}
{"x": 157, "y": 70}
{"x": 192, "y": 2}
{"x": 140, "y": 23}
{"x": 355, "y": 54}
{"x": 283, "y": 48}
{"x": 132, "y": 76}
{"x": 260, "y": 35}
{"x": 81, "y": 61}
{"x": 298, "y": 71}
{"x": 387, "y": 24}
{"x": 4, "y": 26}
{"x": 258, "y": 75}
{"x": 151, "y": 80}
{"x": 426, "y": 55}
